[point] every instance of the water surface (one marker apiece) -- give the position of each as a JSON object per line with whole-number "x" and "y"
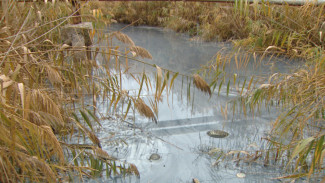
{"x": 180, "y": 135}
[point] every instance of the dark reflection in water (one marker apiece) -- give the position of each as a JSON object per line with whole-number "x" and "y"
{"x": 181, "y": 131}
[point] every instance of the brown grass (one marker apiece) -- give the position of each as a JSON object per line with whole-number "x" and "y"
{"x": 142, "y": 52}
{"x": 294, "y": 29}
{"x": 41, "y": 87}
{"x": 123, "y": 38}
{"x": 201, "y": 84}
{"x": 144, "y": 109}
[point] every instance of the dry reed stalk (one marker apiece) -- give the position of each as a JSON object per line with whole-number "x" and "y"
{"x": 142, "y": 52}
{"x": 6, "y": 138}
{"x": 102, "y": 154}
{"x": 93, "y": 138}
{"x": 144, "y": 110}
{"x": 43, "y": 167}
{"x": 201, "y": 84}
{"x": 42, "y": 102}
{"x": 159, "y": 77}
{"x": 31, "y": 110}
{"x": 47, "y": 133}
{"x": 53, "y": 75}
{"x": 158, "y": 87}
{"x": 123, "y": 38}
{"x": 5, "y": 82}
{"x": 29, "y": 167}
{"x": 90, "y": 134}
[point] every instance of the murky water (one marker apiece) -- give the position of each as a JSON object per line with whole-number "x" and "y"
{"x": 180, "y": 137}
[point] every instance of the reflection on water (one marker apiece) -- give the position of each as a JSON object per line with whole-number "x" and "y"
{"x": 180, "y": 133}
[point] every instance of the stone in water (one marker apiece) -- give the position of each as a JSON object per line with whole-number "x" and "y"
{"x": 241, "y": 175}
{"x": 154, "y": 157}
{"x": 217, "y": 133}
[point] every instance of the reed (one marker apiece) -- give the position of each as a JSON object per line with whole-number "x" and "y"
{"x": 144, "y": 109}
{"x": 201, "y": 84}
{"x": 292, "y": 29}
{"x": 44, "y": 97}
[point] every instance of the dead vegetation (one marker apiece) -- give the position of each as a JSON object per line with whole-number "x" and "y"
{"x": 292, "y": 30}
{"x": 201, "y": 84}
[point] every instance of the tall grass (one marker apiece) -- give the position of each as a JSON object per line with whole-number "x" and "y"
{"x": 43, "y": 100}
{"x": 49, "y": 92}
{"x": 283, "y": 29}
{"x": 297, "y": 136}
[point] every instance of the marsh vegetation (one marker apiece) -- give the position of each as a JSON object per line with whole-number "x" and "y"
{"x": 49, "y": 95}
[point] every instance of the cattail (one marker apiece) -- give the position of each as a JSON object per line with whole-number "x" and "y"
{"x": 201, "y": 84}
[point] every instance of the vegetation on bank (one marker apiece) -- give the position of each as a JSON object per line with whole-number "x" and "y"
{"x": 282, "y": 29}
{"x": 45, "y": 93}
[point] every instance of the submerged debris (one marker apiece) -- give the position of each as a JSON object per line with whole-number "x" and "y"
{"x": 196, "y": 180}
{"x": 154, "y": 157}
{"x": 134, "y": 170}
{"x": 217, "y": 133}
{"x": 241, "y": 175}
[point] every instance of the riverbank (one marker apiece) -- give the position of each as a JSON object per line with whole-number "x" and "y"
{"x": 279, "y": 29}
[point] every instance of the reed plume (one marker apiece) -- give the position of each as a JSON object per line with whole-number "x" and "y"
{"x": 123, "y": 38}
{"x": 102, "y": 154}
{"x": 201, "y": 84}
{"x": 144, "y": 110}
{"x": 141, "y": 52}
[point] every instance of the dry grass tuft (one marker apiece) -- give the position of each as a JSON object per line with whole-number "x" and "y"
{"x": 296, "y": 29}
{"x": 40, "y": 87}
{"x": 43, "y": 104}
{"x": 90, "y": 134}
{"x": 123, "y": 38}
{"x": 53, "y": 75}
{"x": 47, "y": 133}
{"x": 142, "y": 52}
{"x": 201, "y": 84}
{"x": 93, "y": 138}
{"x": 144, "y": 110}
{"x": 102, "y": 154}
{"x": 31, "y": 167}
